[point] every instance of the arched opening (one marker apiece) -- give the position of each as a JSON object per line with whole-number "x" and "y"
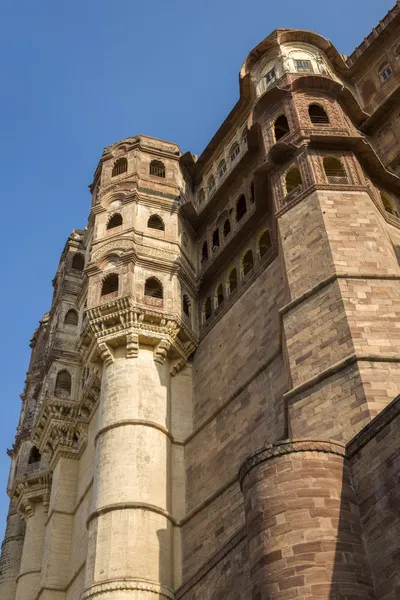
{"x": 318, "y": 115}
{"x": 34, "y": 456}
{"x": 222, "y": 168}
{"x": 115, "y": 221}
{"x": 388, "y": 204}
{"x": 201, "y": 196}
{"x": 368, "y": 90}
{"x": 153, "y": 288}
{"x": 232, "y": 280}
{"x": 211, "y": 184}
{"x": 78, "y": 262}
{"x": 71, "y": 318}
{"x": 241, "y": 208}
{"x": 334, "y": 170}
{"x": 227, "y": 227}
{"x": 215, "y": 240}
{"x": 156, "y": 222}
{"x": 281, "y": 127}
{"x": 247, "y": 263}
{"x": 186, "y": 305}
{"x": 293, "y": 180}
{"x": 204, "y": 252}
{"x": 207, "y": 309}
{"x": 63, "y": 384}
{"x": 157, "y": 168}
{"x": 120, "y": 166}
{"x": 234, "y": 152}
{"x": 385, "y": 71}
{"x": 219, "y": 296}
{"x": 110, "y": 284}
{"x": 264, "y": 243}
{"x": 252, "y": 196}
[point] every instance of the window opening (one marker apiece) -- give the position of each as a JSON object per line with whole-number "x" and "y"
{"x": 186, "y": 305}
{"x": 234, "y": 152}
{"x": 264, "y": 243}
{"x": 271, "y": 75}
{"x": 215, "y": 240}
{"x": 293, "y": 179}
{"x": 303, "y": 66}
{"x": 318, "y": 115}
{"x": 385, "y": 71}
{"x": 63, "y": 383}
{"x": 110, "y": 284}
{"x": 115, "y": 221}
{"x": 211, "y": 184}
{"x": 71, "y": 318}
{"x": 227, "y": 227}
{"x": 157, "y": 168}
{"x": 156, "y": 222}
{"x": 334, "y": 170}
{"x": 78, "y": 262}
{"x": 241, "y": 208}
{"x": 34, "y": 456}
{"x": 232, "y": 280}
{"x": 388, "y": 204}
{"x": 207, "y": 309}
{"x": 222, "y": 168}
{"x": 281, "y": 127}
{"x": 153, "y": 288}
{"x": 120, "y": 166}
{"x": 204, "y": 252}
{"x": 247, "y": 263}
{"x": 220, "y": 295}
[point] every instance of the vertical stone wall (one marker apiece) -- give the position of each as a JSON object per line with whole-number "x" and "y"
{"x": 32, "y": 554}
{"x": 11, "y": 552}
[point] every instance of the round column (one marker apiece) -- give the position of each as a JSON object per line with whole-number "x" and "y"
{"x": 303, "y": 523}
{"x": 130, "y": 552}
{"x": 28, "y": 580}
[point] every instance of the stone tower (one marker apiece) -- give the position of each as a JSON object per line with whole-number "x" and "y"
{"x": 210, "y": 409}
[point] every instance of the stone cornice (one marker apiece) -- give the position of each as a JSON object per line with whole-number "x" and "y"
{"x": 288, "y": 447}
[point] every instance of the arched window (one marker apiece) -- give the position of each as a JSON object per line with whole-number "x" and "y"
{"x": 264, "y": 243}
{"x": 120, "y": 166}
{"x": 219, "y": 295}
{"x": 115, "y": 221}
{"x": 243, "y": 137}
{"x": 110, "y": 284}
{"x": 63, "y": 384}
{"x": 186, "y": 305}
{"x": 281, "y": 127}
{"x": 232, "y": 280}
{"x": 201, "y": 196}
{"x": 156, "y": 222}
{"x": 222, "y": 168}
{"x": 153, "y": 288}
{"x": 207, "y": 309}
{"x": 157, "y": 168}
{"x": 215, "y": 240}
{"x": 293, "y": 180}
{"x": 34, "y": 456}
{"x": 234, "y": 152}
{"x": 334, "y": 170}
{"x": 388, "y": 204}
{"x": 71, "y": 318}
{"x": 385, "y": 71}
{"x": 227, "y": 227}
{"x": 318, "y": 115}
{"x": 204, "y": 252}
{"x": 368, "y": 90}
{"x": 247, "y": 262}
{"x": 211, "y": 184}
{"x": 78, "y": 262}
{"x": 241, "y": 208}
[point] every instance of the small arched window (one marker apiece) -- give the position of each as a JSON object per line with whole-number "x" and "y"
{"x": 318, "y": 115}
{"x": 63, "y": 384}
{"x": 241, "y": 208}
{"x": 34, "y": 456}
{"x": 186, "y": 305}
{"x": 219, "y": 295}
{"x": 222, "y": 168}
{"x": 243, "y": 137}
{"x": 388, "y": 204}
{"x": 204, "y": 252}
{"x": 78, "y": 262}
{"x": 207, "y": 309}
{"x": 153, "y": 288}
{"x": 334, "y": 170}
{"x": 227, "y": 227}
{"x": 156, "y": 222}
{"x": 232, "y": 280}
{"x": 110, "y": 284}
{"x": 385, "y": 71}
{"x": 115, "y": 221}
{"x": 368, "y": 90}
{"x": 281, "y": 127}
{"x": 215, "y": 240}
{"x": 201, "y": 196}
{"x": 71, "y": 318}
{"x": 264, "y": 243}
{"x": 247, "y": 262}
{"x": 157, "y": 168}
{"x": 234, "y": 152}
{"x": 293, "y": 180}
{"x": 120, "y": 166}
{"x": 211, "y": 184}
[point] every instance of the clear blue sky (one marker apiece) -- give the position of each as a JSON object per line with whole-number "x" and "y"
{"x": 79, "y": 75}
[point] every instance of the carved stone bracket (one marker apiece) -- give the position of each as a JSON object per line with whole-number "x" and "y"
{"x": 29, "y": 490}
{"x": 106, "y": 353}
{"x": 132, "y": 345}
{"x": 161, "y": 351}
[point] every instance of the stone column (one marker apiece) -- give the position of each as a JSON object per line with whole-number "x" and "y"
{"x": 11, "y": 552}
{"x": 131, "y": 551}
{"x": 28, "y": 580}
{"x": 303, "y": 524}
